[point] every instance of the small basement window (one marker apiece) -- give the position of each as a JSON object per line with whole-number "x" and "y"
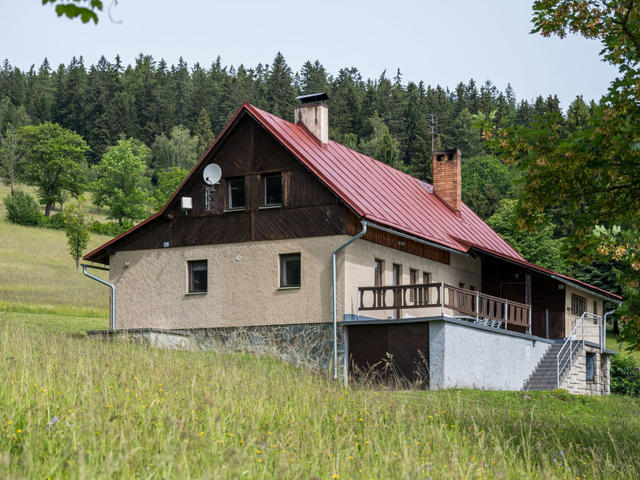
{"x": 236, "y": 193}
{"x": 197, "y": 276}
{"x": 591, "y": 362}
{"x": 290, "y": 270}
{"x": 273, "y": 189}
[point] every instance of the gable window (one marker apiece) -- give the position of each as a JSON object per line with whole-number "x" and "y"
{"x": 197, "y": 276}
{"x": 236, "y": 193}
{"x": 290, "y": 270}
{"x": 378, "y": 273}
{"x": 591, "y": 364}
{"x": 273, "y": 189}
{"x": 578, "y": 304}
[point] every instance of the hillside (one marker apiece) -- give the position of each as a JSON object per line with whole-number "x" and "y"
{"x": 83, "y": 408}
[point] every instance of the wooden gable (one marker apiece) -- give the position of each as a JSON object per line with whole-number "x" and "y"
{"x": 250, "y": 152}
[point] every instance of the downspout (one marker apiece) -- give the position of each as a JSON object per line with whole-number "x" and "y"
{"x": 335, "y": 300}
{"x": 112, "y": 319}
{"x": 603, "y": 344}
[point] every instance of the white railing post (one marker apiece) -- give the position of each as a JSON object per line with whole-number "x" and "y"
{"x": 442, "y": 299}
{"x": 506, "y": 313}
{"x": 530, "y": 325}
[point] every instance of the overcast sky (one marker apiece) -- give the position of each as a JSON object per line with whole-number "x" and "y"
{"x": 437, "y": 41}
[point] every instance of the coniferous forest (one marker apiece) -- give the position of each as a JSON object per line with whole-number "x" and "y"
{"x": 173, "y": 112}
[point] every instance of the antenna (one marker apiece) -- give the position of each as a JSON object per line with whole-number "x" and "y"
{"x": 433, "y": 128}
{"x": 212, "y": 174}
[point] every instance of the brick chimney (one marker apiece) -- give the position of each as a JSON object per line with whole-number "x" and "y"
{"x": 313, "y": 113}
{"x": 447, "y": 182}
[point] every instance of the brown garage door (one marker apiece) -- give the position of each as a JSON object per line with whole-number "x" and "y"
{"x": 391, "y": 354}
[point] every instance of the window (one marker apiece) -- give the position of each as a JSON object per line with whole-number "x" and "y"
{"x": 578, "y": 304}
{"x": 461, "y": 285}
{"x": 591, "y": 363}
{"x": 397, "y": 274}
{"x": 378, "y": 274}
{"x": 595, "y": 307}
{"x": 426, "y": 278}
{"x": 197, "y": 276}
{"x": 290, "y": 270}
{"x": 236, "y": 193}
{"x": 413, "y": 280}
{"x": 273, "y": 189}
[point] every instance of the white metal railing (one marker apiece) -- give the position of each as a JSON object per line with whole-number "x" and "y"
{"x": 574, "y": 341}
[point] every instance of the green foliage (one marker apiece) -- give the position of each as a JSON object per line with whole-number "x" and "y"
{"x": 625, "y": 375}
{"x": 76, "y": 227}
{"x": 203, "y": 132}
{"x": 55, "y": 221}
{"x": 54, "y": 161}
{"x": 380, "y": 144}
{"x": 180, "y": 150}
{"x": 537, "y": 247}
{"x": 22, "y": 208}
{"x": 168, "y": 182}
{"x": 485, "y": 182}
{"x": 72, "y": 10}
{"x": 585, "y": 172}
{"x": 121, "y": 184}
{"x": 111, "y": 229}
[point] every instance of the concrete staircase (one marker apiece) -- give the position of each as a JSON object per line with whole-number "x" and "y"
{"x": 544, "y": 376}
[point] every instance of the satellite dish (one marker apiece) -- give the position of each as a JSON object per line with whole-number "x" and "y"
{"x": 212, "y": 174}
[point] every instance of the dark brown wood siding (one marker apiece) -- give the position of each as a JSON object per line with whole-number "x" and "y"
{"x": 308, "y": 208}
{"x": 506, "y": 280}
{"x": 390, "y": 353}
{"x": 354, "y": 226}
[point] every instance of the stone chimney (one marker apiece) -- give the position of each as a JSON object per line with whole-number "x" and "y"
{"x": 447, "y": 182}
{"x": 313, "y": 113}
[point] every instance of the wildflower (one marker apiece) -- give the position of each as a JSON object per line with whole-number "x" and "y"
{"x": 201, "y": 434}
{"x": 52, "y": 422}
{"x": 19, "y": 430}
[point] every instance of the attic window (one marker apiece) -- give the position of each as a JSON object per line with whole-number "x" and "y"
{"x": 273, "y": 189}
{"x": 236, "y": 193}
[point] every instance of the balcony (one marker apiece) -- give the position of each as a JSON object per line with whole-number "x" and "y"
{"x": 440, "y": 299}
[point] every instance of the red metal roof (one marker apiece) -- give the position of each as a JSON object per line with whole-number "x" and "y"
{"x": 384, "y": 195}
{"x": 379, "y": 193}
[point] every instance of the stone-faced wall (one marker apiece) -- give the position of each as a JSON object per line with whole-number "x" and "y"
{"x": 576, "y": 380}
{"x": 308, "y": 345}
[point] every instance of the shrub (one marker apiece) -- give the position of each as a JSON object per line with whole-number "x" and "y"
{"x": 23, "y": 209}
{"x": 55, "y": 221}
{"x": 625, "y": 375}
{"x": 112, "y": 229}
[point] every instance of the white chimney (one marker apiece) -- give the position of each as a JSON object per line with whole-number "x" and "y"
{"x": 313, "y": 113}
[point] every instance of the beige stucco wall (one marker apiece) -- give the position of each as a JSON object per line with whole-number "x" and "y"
{"x": 360, "y": 259}
{"x": 243, "y": 281}
{"x": 592, "y": 330}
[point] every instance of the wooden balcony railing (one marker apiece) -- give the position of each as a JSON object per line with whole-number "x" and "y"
{"x": 467, "y": 302}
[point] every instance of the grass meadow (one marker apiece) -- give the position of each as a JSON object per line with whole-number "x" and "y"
{"x": 73, "y": 406}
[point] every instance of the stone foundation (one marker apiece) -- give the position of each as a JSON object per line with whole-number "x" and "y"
{"x": 576, "y": 380}
{"x": 307, "y": 345}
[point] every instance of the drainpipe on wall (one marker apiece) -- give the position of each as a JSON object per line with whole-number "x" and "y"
{"x": 335, "y": 300}
{"x": 112, "y": 319}
{"x": 603, "y": 343}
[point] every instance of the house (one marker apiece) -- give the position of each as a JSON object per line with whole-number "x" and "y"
{"x": 292, "y": 244}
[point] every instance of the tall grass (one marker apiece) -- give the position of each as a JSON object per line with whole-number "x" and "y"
{"x": 36, "y": 271}
{"x": 82, "y": 408}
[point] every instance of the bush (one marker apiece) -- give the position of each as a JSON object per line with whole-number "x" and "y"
{"x": 111, "y": 229}
{"x": 55, "y": 221}
{"x": 625, "y": 375}
{"x": 23, "y": 209}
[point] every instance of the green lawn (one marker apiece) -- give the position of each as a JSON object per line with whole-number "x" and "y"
{"x": 74, "y": 407}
